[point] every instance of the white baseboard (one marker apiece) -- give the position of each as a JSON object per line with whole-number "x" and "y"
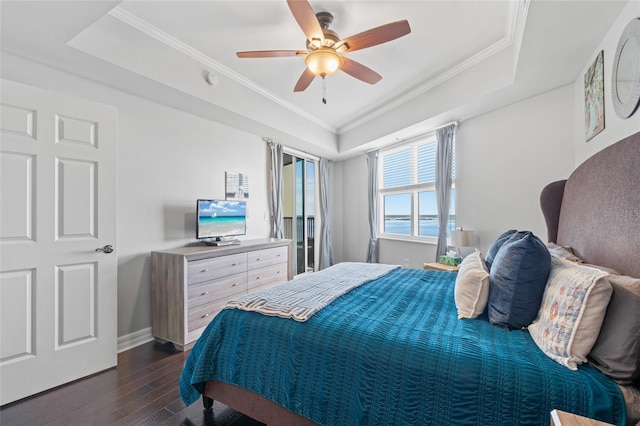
{"x": 137, "y": 338}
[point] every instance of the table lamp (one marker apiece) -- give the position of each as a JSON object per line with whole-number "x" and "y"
{"x": 462, "y": 238}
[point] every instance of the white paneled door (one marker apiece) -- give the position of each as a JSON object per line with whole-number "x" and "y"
{"x": 57, "y": 239}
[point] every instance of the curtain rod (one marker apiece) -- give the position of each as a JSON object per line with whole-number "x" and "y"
{"x": 416, "y": 136}
{"x": 294, "y": 151}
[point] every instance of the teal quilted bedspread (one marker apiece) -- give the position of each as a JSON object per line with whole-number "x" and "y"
{"x": 394, "y": 352}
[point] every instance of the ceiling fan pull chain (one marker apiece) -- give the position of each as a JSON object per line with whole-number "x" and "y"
{"x": 324, "y": 91}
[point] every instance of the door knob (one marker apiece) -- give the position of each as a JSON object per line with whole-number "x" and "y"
{"x": 106, "y": 249}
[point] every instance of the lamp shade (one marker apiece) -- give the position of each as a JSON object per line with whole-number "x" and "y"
{"x": 462, "y": 238}
{"x": 323, "y": 62}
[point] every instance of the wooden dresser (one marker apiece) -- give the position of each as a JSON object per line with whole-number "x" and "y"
{"x": 189, "y": 285}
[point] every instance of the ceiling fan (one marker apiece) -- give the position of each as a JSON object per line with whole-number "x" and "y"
{"x": 325, "y": 49}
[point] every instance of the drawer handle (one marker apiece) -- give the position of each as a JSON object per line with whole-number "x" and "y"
{"x": 234, "y": 285}
{"x": 205, "y": 293}
{"x": 258, "y": 277}
{"x": 205, "y": 270}
{"x": 258, "y": 259}
{"x": 278, "y": 255}
{"x": 278, "y": 272}
{"x": 234, "y": 264}
{"x": 205, "y": 315}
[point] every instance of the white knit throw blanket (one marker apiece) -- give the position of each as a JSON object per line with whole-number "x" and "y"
{"x": 299, "y": 299}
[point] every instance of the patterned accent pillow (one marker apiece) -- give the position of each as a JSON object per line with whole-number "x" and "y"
{"x": 472, "y": 286}
{"x": 572, "y": 310}
{"x": 564, "y": 252}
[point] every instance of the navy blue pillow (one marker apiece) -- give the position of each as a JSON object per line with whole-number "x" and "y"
{"x": 495, "y": 246}
{"x": 517, "y": 281}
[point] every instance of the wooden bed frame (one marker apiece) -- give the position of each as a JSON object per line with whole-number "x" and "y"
{"x": 579, "y": 212}
{"x": 253, "y": 405}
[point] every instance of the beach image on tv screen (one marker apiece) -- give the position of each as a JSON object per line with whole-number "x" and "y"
{"x": 220, "y": 218}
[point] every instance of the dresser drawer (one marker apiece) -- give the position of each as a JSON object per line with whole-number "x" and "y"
{"x": 267, "y": 257}
{"x": 208, "y": 291}
{"x": 267, "y": 277}
{"x": 200, "y": 316}
{"x": 190, "y": 285}
{"x": 216, "y": 267}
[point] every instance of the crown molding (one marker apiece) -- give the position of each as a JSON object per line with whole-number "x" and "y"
{"x": 143, "y": 26}
{"x": 513, "y": 26}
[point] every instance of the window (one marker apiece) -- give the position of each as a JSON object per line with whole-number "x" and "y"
{"x": 407, "y": 191}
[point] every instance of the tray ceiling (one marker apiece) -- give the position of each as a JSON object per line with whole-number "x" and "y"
{"x": 183, "y": 53}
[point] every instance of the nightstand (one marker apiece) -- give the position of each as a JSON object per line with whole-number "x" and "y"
{"x": 562, "y": 418}
{"x": 440, "y": 267}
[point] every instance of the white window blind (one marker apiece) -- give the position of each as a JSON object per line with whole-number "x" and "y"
{"x": 409, "y": 165}
{"x": 406, "y": 186}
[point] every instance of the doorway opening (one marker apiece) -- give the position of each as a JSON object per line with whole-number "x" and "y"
{"x": 299, "y": 208}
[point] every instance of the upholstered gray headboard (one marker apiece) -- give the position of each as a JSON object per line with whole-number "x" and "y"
{"x": 596, "y": 210}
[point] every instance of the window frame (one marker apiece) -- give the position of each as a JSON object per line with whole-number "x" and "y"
{"x": 413, "y": 189}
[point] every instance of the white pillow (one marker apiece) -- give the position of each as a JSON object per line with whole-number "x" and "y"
{"x": 472, "y": 286}
{"x": 572, "y": 310}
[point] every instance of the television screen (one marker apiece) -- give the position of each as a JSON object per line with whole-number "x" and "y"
{"x": 220, "y": 218}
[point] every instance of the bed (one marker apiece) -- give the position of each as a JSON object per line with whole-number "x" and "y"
{"x": 393, "y": 351}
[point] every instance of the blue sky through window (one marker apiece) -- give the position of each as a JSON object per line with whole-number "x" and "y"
{"x": 310, "y": 188}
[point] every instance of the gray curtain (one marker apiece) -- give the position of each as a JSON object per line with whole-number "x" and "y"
{"x": 276, "y": 184}
{"x": 372, "y": 251}
{"x": 326, "y": 253}
{"x": 445, "y": 137}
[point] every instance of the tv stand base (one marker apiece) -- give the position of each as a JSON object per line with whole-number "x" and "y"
{"x": 221, "y": 242}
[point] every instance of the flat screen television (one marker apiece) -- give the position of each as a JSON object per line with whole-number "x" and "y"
{"x": 220, "y": 219}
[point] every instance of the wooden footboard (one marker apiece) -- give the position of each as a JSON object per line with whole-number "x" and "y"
{"x": 253, "y": 405}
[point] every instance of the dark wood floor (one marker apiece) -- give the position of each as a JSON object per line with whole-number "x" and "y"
{"x": 142, "y": 390}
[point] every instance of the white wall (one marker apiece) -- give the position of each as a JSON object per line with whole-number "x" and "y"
{"x": 166, "y": 160}
{"x": 354, "y": 203}
{"x": 336, "y": 210}
{"x": 615, "y": 127}
{"x": 504, "y": 159}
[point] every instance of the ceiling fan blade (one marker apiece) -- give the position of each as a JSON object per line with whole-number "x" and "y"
{"x": 374, "y": 36}
{"x": 306, "y": 18}
{"x": 304, "y": 81}
{"x": 359, "y": 71}
{"x": 270, "y": 53}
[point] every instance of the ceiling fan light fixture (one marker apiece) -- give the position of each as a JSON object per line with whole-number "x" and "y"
{"x": 323, "y": 62}
{"x": 324, "y": 51}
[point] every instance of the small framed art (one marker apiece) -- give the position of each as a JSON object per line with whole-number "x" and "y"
{"x": 237, "y": 186}
{"x": 594, "y": 98}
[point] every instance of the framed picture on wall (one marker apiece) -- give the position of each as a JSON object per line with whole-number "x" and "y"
{"x": 237, "y": 186}
{"x": 594, "y": 98}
